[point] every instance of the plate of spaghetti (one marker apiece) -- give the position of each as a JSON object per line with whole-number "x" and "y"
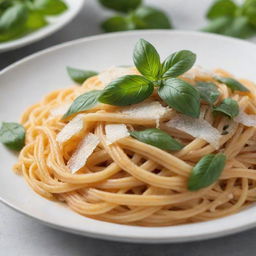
{"x": 142, "y": 136}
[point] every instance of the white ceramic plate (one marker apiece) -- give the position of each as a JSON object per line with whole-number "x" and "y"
{"x": 27, "y": 81}
{"x": 55, "y": 23}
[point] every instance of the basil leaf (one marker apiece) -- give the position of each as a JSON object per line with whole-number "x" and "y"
{"x": 83, "y": 102}
{"x": 218, "y": 25}
{"x": 231, "y": 83}
{"x": 146, "y": 59}
{"x": 180, "y": 96}
{"x": 121, "y": 5}
{"x": 35, "y": 21}
{"x": 206, "y": 171}
{"x": 157, "y": 138}
{"x": 146, "y": 17}
{"x": 249, "y": 10}
{"x": 50, "y": 7}
{"x": 79, "y": 75}
{"x": 127, "y": 90}
{"x": 13, "y": 17}
{"x": 178, "y": 63}
{"x": 228, "y": 107}
{"x": 12, "y": 135}
{"x": 221, "y": 8}
{"x": 117, "y": 23}
{"x": 208, "y": 91}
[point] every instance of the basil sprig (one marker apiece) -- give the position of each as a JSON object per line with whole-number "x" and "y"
{"x": 20, "y": 17}
{"x": 133, "y": 15}
{"x": 12, "y": 135}
{"x": 157, "y": 138}
{"x": 79, "y": 75}
{"x": 181, "y": 96}
{"x": 206, "y": 171}
{"x": 232, "y": 83}
{"x": 208, "y": 91}
{"x": 132, "y": 89}
{"x": 83, "y": 102}
{"x": 229, "y": 18}
{"x": 127, "y": 90}
{"x": 228, "y": 107}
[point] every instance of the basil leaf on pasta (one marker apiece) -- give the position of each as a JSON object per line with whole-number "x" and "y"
{"x": 79, "y": 75}
{"x": 206, "y": 171}
{"x": 208, "y": 91}
{"x": 127, "y": 90}
{"x": 180, "y": 96}
{"x": 83, "y": 102}
{"x": 12, "y": 135}
{"x": 228, "y": 107}
{"x": 147, "y": 59}
{"x": 157, "y": 138}
{"x": 232, "y": 83}
{"x": 178, "y": 63}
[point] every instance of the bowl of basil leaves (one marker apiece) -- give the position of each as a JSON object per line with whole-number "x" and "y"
{"x": 25, "y": 21}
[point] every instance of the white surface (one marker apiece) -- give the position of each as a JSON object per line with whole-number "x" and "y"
{"x": 36, "y": 78}
{"x": 55, "y": 23}
{"x": 20, "y": 235}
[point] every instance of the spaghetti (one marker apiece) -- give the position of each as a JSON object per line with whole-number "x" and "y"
{"x": 131, "y": 182}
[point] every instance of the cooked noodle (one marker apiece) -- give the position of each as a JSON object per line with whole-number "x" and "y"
{"x": 131, "y": 182}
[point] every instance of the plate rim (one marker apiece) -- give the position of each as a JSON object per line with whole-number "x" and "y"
{"x": 39, "y": 34}
{"x": 149, "y": 238}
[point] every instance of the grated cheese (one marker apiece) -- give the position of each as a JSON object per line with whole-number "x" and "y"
{"x": 113, "y": 73}
{"x": 245, "y": 119}
{"x": 115, "y": 132}
{"x": 83, "y": 151}
{"x": 60, "y": 110}
{"x": 70, "y": 129}
{"x": 146, "y": 110}
{"x": 197, "y": 71}
{"x": 197, "y": 128}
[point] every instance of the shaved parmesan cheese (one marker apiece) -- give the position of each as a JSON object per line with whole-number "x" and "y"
{"x": 245, "y": 119}
{"x": 197, "y": 128}
{"x": 70, "y": 129}
{"x": 83, "y": 151}
{"x": 197, "y": 71}
{"x": 146, "y": 110}
{"x": 60, "y": 110}
{"x": 113, "y": 73}
{"x": 115, "y": 132}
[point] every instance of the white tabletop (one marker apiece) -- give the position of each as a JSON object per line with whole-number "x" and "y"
{"x": 20, "y": 235}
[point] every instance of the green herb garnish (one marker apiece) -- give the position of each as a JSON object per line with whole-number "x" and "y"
{"x": 208, "y": 91}
{"x": 79, "y": 75}
{"x": 157, "y": 138}
{"x": 12, "y": 135}
{"x": 228, "y": 107}
{"x": 231, "y": 19}
{"x": 206, "y": 171}
{"x": 133, "y": 15}
{"x": 232, "y": 83}
{"x": 21, "y": 17}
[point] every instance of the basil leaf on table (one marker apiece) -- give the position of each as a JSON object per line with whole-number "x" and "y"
{"x": 79, "y": 75}
{"x": 50, "y": 7}
{"x": 232, "y": 83}
{"x": 83, "y": 102}
{"x": 146, "y": 17}
{"x": 178, "y": 63}
{"x": 221, "y": 8}
{"x": 117, "y": 23}
{"x": 206, "y": 171}
{"x": 249, "y": 10}
{"x": 127, "y": 90}
{"x": 146, "y": 59}
{"x": 180, "y": 96}
{"x": 13, "y": 17}
{"x": 157, "y": 138}
{"x": 12, "y": 135}
{"x": 121, "y": 5}
{"x": 218, "y": 25}
{"x": 228, "y": 107}
{"x": 208, "y": 91}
